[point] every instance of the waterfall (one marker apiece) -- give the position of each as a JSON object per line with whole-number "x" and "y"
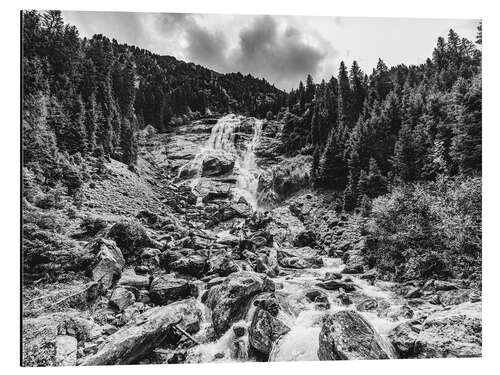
{"x": 223, "y": 141}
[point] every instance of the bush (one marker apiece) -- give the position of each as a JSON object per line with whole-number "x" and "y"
{"x": 427, "y": 230}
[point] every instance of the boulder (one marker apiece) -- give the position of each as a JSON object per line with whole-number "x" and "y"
{"x": 229, "y": 300}
{"x": 210, "y": 190}
{"x": 367, "y": 304}
{"x": 109, "y": 262}
{"x": 414, "y": 293}
{"x": 403, "y": 338}
{"x": 346, "y": 335}
{"x": 130, "y": 236}
{"x": 217, "y": 164}
{"x": 139, "y": 338}
{"x": 319, "y": 297}
{"x": 444, "y": 285}
{"x": 66, "y": 348}
{"x": 192, "y": 265}
{"x": 333, "y": 284}
{"x": 222, "y": 264}
{"x": 265, "y": 330}
{"x": 130, "y": 279}
{"x": 455, "y": 332}
{"x": 166, "y": 289}
{"x": 121, "y": 298}
{"x": 454, "y": 297}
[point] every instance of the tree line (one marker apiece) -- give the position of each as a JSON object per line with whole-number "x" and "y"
{"x": 396, "y": 125}
{"x": 89, "y": 97}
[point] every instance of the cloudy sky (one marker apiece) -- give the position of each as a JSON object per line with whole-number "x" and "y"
{"x": 282, "y": 49}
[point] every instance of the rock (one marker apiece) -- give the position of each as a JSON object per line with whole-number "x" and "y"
{"x": 39, "y": 335}
{"x": 367, "y": 304}
{"x": 346, "y": 335}
{"x": 229, "y": 300}
{"x": 333, "y": 275}
{"x": 344, "y": 297}
{"x": 403, "y": 338}
{"x": 414, "y": 293}
{"x": 192, "y": 265}
{"x": 265, "y": 330}
{"x": 454, "y": 297}
{"x": 130, "y": 236}
{"x": 305, "y": 238}
{"x": 319, "y": 297}
{"x": 353, "y": 269}
{"x": 222, "y": 264}
{"x": 210, "y": 190}
{"x": 109, "y": 262}
{"x": 304, "y": 257}
{"x": 456, "y": 332}
{"x": 444, "y": 285}
{"x": 135, "y": 341}
{"x": 336, "y": 285}
{"x": 217, "y": 164}
{"x": 129, "y": 278}
{"x": 165, "y": 289}
{"x": 121, "y": 298}
{"x": 66, "y": 348}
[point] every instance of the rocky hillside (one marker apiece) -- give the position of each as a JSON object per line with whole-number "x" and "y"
{"x": 171, "y": 261}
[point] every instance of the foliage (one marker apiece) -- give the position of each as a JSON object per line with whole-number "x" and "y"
{"x": 430, "y": 229}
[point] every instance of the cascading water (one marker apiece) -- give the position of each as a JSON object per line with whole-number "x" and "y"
{"x": 223, "y": 142}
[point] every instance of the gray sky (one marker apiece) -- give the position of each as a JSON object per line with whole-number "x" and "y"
{"x": 282, "y": 49}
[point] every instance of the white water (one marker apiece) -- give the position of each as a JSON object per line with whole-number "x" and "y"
{"x": 222, "y": 142}
{"x": 302, "y": 342}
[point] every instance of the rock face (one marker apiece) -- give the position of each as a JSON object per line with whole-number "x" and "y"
{"x": 347, "y": 335}
{"x": 229, "y": 300}
{"x": 109, "y": 262}
{"x": 265, "y": 330}
{"x": 165, "y": 289}
{"x": 217, "y": 164}
{"x": 456, "y": 332}
{"x": 134, "y": 341}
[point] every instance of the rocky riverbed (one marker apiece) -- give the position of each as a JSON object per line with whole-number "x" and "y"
{"x": 212, "y": 250}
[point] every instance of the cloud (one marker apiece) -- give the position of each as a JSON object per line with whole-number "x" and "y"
{"x": 206, "y": 47}
{"x": 283, "y": 55}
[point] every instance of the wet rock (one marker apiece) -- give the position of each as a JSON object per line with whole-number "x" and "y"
{"x": 344, "y": 297}
{"x": 319, "y": 297}
{"x": 66, "y": 348}
{"x": 336, "y": 285}
{"x": 414, "y": 293}
{"x": 165, "y": 289}
{"x": 396, "y": 312}
{"x": 109, "y": 262}
{"x": 456, "y": 332}
{"x": 135, "y": 341}
{"x": 121, "y": 298}
{"x": 222, "y": 264}
{"x": 353, "y": 269}
{"x": 346, "y": 335}
{"x": 229, "y": 300}
{"x": 300, "y": 258}
{"x": 333, "y": 275}
{"x": 265, "y": 330}
{"x": 403, "y": 338}
{"x": 367, "y": 305}
{"x": 445, "y": 285}
{"x": 217, "y": 164}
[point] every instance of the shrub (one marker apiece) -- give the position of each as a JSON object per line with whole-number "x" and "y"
{"x": 427, "y": 230}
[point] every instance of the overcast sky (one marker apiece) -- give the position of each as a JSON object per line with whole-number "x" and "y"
{"x": 282, "y": 49}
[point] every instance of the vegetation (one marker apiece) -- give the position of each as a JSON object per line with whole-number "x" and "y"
{"x": 426, "y": 230}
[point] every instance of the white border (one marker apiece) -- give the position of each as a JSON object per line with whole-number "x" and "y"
{"x": 9, "y": 149}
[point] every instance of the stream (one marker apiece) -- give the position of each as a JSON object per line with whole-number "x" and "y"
{"x": 228, "y": 141}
